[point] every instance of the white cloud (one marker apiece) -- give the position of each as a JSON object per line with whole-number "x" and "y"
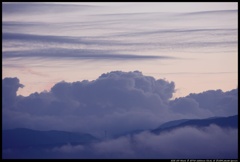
{"x": 211, "y": 142}
{"x": 68, "y": 148}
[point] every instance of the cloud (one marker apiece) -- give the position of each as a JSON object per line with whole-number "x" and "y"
{"x": 116, "y": 102}
{"x": 187, "y": 142}
{"x": 223, "y": 12}
{"x": 30, "y": 38}
{"x": 63, "y": 53}
{"x": 187, "y": 106}
{"x": 192, "y": 73}
{"x": 208, "y": 103}
{"x": 62, "y": 47}
{"x": 31, "y": 46}
{"x": 113, "y": 31}
{"x": 218, "y": 102}
{"x": 68, "y": 148}
{"x": 9, "y": 90}
{"x": 212, "y": 142}
{"x": 42, "y": 8}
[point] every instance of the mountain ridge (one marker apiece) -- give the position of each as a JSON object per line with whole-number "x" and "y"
{"x": 230, "y": 121}
{"x": 26, "y": 138}
{"x": 21, "y": 138}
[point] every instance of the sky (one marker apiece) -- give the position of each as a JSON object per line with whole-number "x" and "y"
{"x": 192, "y": 44}
{"x": 120, "y": 68}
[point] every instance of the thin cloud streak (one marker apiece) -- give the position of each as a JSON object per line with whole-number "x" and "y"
{"x": 36, "y": 8}
{"x": 194, "y": 73}
{"x": 30, "y": 38}
{"x": 78, "y": 54}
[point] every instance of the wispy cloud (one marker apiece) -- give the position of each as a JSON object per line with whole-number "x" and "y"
{"x": 121, "y": 32}
{"x": 78, "y": 54}
{"x": 196, "y": 73}
{"x": 25, "y": 69}
{"x": 41, "y": 8}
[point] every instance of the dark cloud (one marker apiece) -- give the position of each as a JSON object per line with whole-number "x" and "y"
{"x": 38, "y": 38}
{"x": 214, "y": 102}
{"x": 77, "y": 54}
{"x": 9, "y": 91}
{"x": 187, "y": 106}
{"x": 219, "y": 102}
{"x": 54, "y": 47}
{"x": 41, "y": 8}
{"x": 116, "y": 101}
{"x": 45, "y": 39}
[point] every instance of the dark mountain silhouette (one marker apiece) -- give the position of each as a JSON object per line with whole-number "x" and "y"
{"x": 173, "y": 123}
{"x": 22, "y": 138}
{"x": 231, "y": 122}
{"x": 27, "y": 138}
{"x": 177, "y": 122}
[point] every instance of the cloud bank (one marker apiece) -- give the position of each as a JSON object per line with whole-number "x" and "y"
{"x": 116, "y": 102}
{"x": 212, "y": 142}
{"x": 186, "y": 142}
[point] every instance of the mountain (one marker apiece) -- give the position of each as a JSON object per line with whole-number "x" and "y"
{"x": 172, "y": 123}
{"x": 22, "y": 138}
{"x": 28, "y": 138}
{"x": 231, "y": 121}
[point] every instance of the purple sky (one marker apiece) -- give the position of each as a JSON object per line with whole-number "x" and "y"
{"x": 122, "y": 67}
{"x": 192, "y": 44}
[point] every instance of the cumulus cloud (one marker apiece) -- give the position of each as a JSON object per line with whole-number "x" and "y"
{"x": 217, "y": 102}
{"x": 188, "y": 107}
{"x": 9, "y": 90}
{"x": 116, "y": 102}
